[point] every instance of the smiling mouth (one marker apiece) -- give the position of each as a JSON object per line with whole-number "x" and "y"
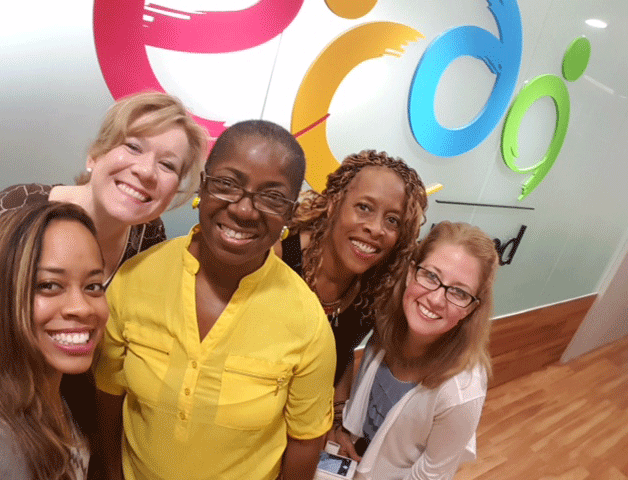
{"x": 131, "y": 192}
{"x": 74, "y": 339}
{"x": 230, "y": 233}
{"x": 428, "y": 313}
{"x": 364, "y": 248}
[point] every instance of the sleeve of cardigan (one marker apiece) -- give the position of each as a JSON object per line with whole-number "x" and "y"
{"x": 451, "y": 432}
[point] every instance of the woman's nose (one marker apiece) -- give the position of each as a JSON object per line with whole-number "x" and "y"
{"x": 438, "y": 296}
{"x": 245, "y": 209}
{"x": 145, "y": 167}
{"x": 77, "y": 305}
{"x": 374, "y": 226}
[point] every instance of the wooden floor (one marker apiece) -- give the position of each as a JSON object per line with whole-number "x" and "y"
{"x": 564, "y": 422}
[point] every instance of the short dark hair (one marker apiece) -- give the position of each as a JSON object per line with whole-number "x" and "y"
{"x": 269, "y": 131}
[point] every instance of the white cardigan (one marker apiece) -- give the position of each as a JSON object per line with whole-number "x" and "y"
{"x": 426, "y": 434}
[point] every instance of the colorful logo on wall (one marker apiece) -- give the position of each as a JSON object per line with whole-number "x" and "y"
{"x": 319, "y": 85}
{"x": 575, "y": 62}
{"x": 502, "y": 56}
{"x": 121, "y": 36}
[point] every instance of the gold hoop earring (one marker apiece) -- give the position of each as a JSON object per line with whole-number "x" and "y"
{"x": 284, "y": 232}
{"x": 196, "y": 202}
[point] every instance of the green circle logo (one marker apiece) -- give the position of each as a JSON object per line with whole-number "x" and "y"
{"x": 576, "y": 59}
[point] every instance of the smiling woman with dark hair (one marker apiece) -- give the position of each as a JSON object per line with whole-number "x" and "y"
{"x": 348, "y": 243}
{"x": 218, "y": 359}
{"x": 52, "y": 316}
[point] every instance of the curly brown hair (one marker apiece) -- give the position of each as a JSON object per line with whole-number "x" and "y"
{"x": 465, "y": 345}
{"x": 312, "y": 215}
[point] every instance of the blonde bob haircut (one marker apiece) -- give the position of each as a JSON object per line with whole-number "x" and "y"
{"x": 151, "y": 113}
{"x": 464, "y": 346}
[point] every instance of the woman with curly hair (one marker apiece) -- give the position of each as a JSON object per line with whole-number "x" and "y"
{"x": 419, "y": 392}
{"x": 52, "y": 315}
{"x": 350, "y": 240}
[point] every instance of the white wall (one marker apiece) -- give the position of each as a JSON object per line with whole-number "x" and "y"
{"x": 53, "y": 95}
{"x": 607, "y": 320}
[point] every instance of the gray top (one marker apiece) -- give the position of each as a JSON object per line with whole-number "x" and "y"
{"x": 386, "y": 392}
{"x": 12, "y": 463}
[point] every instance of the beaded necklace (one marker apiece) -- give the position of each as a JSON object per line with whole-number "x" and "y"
{"x": 333, "y": 309}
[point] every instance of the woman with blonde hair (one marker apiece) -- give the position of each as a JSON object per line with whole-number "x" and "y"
{"x": 52, "y": 315}
{"x": 146, "y": 158}
{"x": 418, "y": 396}
{"x": 348, "y": 241}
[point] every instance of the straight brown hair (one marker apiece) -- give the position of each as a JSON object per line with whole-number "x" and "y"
{"x": 24, "y": 407}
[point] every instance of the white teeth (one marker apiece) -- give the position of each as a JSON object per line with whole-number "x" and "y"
{"x": 236, "y": 235}
{"x": 132, "y": 192}
{"x": 427, "y": 312}
{"x": 363, "y": 247}
{"x": 69, "y": 339}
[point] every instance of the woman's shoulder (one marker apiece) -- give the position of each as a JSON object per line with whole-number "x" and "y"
{"x": 291, "y": 287}
{"x": 23, "y": 194}
{"x": 284, "y": 272}
{"x": 147, "y": 273}
{"x": 160, "y": 253}
{"x": 144, "y": 236}
{"x": 13, "y": 465}
{"x": 466, "y": 385}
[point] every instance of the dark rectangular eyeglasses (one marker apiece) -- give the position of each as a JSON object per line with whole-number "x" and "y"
{"x": 428, "y": 279}
{"x": 229, "y": 191}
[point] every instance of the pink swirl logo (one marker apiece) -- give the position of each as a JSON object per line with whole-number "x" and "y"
{"x": 123, "y": 30}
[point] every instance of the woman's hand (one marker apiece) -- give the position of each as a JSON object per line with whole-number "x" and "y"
{"x": 343, "y": 438}
{"x": 331, "y": 435}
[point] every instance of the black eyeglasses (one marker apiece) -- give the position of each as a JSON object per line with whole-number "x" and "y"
{"x": 455, "y": 295}
{"x": 229, "y": 191}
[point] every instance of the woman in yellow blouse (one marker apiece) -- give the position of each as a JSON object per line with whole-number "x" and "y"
{"x": 218, "y": 359}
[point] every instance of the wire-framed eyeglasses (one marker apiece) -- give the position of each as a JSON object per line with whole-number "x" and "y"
{"x": 229, "y": 191}
{"x": 428, "y": 279}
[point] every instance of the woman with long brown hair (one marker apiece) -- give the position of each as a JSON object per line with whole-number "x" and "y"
{"x": 52, "y": 315}
{"x": 418, "y": 396}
